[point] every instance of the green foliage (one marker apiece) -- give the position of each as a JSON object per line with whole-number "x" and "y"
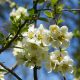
{"x": 60, "y": 7}
{"x": 43, "y": 19}
{"x": 48, "y": 14}
{"x": 3, "y": 70}
{"x": 76, "y": 33}
{"x": 60, "y": 21}
{"x": 53, "y": 2}
{"x": 31, "y": 11}
{"x": 41, "y": 1}
{"x": 1, "y": 35}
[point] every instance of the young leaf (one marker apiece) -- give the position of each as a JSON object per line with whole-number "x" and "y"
{"x": 48, "y": 14}
{"x": 1, "y": 35}
{"x": 31, "y": 11}
{"x": 3, "y": 70}
{"x": 60, "y": 21}
{"x": 43, "y": 19}
{"x": 53, "y": 2}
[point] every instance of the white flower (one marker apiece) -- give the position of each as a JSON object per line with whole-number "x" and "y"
{"x": 39, "y": 36}
{"x": 32, "y": 55}
{"x": 17, "y": 48}
{"x": 35, "y": 45}
{"x": 60, "y": 36}
{"x": 1, "y": 76}
{"x": 32, "y": 52}
{"x": 42, "y": 35}
{"x": 30, "y": 35}
{"x": 20, "y": 13}
{"x": 60, "y": 61}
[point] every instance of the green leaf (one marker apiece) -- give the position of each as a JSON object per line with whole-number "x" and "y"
{"x": 25, "y": 28}
{"x": 43, "y": 19}
{"x": 53, "y": 2}
{"x": 41, "y": 1}
{"x": 1, "y": 35}
{"x": 3, "y": 70}
{"x": 60, "y": 7}
{"x": 48, "y": 14}
{"x": 76, "y": 33}
{"x": 60, "y": 21}
{"x": 48, "y": 5}
{"x": 31, "y": 11}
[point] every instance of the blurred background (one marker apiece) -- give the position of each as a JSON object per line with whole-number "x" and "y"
{"x": 71, "y": 19}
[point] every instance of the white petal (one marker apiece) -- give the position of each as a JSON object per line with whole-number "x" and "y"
{"x": 65, "y": 44}
{"x": 64, "y": 29}
{"x": 69, "y": 35}
{"x": 41, "y": 26}
{"x": 53, "y": 28}
{"x": 56, "y": 44}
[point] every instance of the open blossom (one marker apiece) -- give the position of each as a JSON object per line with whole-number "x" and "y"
{"x": 19, "y": 13}
{"x": 60, "y": 36}
{"x": 35, "y": 45}
{"x": 31, "y": 55}
{"x": 60, "y": 61}
{"x": 39, "y": 36}
{"x": 42, "y": 35}
{"x": 2, "y": 76}
{"x": 29, "y": 36}
{"x": 18, "y": 48}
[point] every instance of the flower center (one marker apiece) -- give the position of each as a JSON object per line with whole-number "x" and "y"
{"x": 33, "y": 46}
{"x": 30, "y": 35}
{"x": 40, "y": 36}
{"x": 61, "y": 37}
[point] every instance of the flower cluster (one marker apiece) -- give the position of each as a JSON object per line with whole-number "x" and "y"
{"x": 60, "y": 36}
{"x": 60, "y": 61}
{"x": 19, "y": 14}
{"x": 34, "y": 48}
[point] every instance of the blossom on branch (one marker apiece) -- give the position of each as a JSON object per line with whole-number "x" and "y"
{"x": 35, "y": 44}
{"x": 60, "y": 61}
{"x": 60, "y": 36}
{"x": 19, "y": 14}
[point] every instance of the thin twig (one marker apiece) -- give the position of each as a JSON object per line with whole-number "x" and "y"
{"x": 15, "y": 37}
{"x": 71, "y": 10}
{"x": 9, "y": 70}
{"x": 62, "y": 9}
{"x": 35, "y": 22}
{"x": 64, "y": 78}
{"x": 13, "y": 68}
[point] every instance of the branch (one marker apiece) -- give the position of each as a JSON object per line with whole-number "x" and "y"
{"x": 35, "y": 22}
{"x": 15, "y": 37}
{"x": 71, "y": 10}
{"x": 35, "y": 73}
{"x": 62, "y": 9}
{"x": 64, "y": 78}
{"x": 13, "y": 68}
{"x": 9, "y": 70}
